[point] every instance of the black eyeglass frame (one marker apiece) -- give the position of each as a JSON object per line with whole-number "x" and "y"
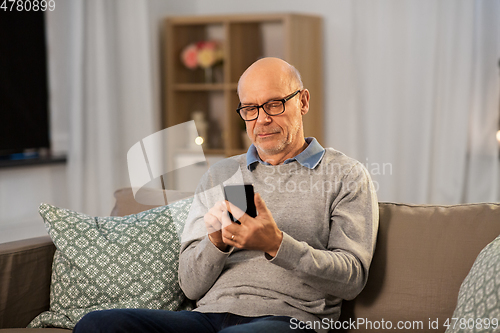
{"x": 283, "y": 101}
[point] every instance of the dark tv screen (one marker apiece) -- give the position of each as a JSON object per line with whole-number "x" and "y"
{"x": 24, "y": 121}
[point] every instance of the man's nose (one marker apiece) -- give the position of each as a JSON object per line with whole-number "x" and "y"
{"x": 263, "y": 116}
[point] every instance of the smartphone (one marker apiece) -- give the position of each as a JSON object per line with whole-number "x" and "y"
{"x": 241, "y": 196}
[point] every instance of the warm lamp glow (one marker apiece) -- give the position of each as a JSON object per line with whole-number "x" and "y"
{"x": 199, "y": 140}
{"x": 498, "y": 136}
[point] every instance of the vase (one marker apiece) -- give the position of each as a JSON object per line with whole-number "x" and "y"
{"x": 209, "y": 75}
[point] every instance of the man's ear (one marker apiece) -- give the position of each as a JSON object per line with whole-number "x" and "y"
{"x": 304, "y": 101}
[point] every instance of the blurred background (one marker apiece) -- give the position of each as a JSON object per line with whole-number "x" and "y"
{"x": 410, "y": 88}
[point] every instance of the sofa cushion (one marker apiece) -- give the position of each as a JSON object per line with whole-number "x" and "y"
{"x": 423, "y": 254}
{"x": 146, "y": 198}
{"x": 113, "y": 262}
{"x": 478, "y": 308}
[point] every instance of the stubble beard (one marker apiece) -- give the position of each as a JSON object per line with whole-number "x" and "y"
{"x": 283, "y": 142}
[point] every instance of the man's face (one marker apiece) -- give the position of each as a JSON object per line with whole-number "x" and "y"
{"x": 273, "y": 134}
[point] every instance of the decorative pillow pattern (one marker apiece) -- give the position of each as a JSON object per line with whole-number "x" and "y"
{"x": 478, "y": 308}
{"x": 113, "y": 262}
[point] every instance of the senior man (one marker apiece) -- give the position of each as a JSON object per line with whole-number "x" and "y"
{"x": 309, "y": 247}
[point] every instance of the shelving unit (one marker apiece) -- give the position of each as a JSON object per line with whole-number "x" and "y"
{"x": 245, "y": 38}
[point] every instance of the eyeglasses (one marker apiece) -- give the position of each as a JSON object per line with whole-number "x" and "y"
{"x": 271, "y": 108}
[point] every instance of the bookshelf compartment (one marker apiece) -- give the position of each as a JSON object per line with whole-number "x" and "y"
{"x": 185, "y": 35}
{"x": 245, "y": 38}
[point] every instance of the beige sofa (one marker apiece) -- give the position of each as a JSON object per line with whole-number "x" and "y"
{"x": 423, "y": 254}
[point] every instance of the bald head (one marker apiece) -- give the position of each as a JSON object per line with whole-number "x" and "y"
{"x": 280, "y": 135}
{"x": 272, "y": 68}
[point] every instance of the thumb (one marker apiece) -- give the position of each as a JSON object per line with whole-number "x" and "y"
{"x": 260, "y": 204}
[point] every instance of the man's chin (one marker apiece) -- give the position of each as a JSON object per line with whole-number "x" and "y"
{"x": 269, "y": 147}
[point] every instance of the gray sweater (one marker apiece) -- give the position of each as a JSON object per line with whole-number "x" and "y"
{"x": 329, "y": 219}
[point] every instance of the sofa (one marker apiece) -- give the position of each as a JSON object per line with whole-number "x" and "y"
{"x": 423, "y": 254}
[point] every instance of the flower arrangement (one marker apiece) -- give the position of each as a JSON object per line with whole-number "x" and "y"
{"x": 204, "y": 54}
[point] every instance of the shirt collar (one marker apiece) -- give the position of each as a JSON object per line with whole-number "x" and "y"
{"x": 309, "y": 158}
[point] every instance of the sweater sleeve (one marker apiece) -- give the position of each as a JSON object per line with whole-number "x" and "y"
{"x": 342, "y": 269}
{"x": 200, "y": 264}
{"x": 200, "y": 261}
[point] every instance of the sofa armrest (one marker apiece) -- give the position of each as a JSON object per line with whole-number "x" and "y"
{"x": 25, "y": 272}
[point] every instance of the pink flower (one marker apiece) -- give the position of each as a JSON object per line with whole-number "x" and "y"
{"x": 189, "y": 56}
{"x": 203, "y": 53}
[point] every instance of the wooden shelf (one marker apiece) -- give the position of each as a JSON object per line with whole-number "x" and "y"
{"x": 245, "y": 38}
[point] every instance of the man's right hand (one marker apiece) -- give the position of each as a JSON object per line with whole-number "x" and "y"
{"x": 213, "y": 223}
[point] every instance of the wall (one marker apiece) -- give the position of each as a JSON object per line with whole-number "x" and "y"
{"x": 22, "y": 189}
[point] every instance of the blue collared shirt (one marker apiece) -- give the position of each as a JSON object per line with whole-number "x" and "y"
{"x": 309, "y": 158}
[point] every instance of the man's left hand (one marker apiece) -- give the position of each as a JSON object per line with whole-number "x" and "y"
{"x": 259, "y": 233}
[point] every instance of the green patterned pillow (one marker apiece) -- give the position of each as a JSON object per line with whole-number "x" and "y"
{"x": 478, "y": 308}
{"x": 113, "y": 262}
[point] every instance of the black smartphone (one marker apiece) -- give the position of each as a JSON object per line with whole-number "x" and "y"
{"x": 241, "y": 196}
